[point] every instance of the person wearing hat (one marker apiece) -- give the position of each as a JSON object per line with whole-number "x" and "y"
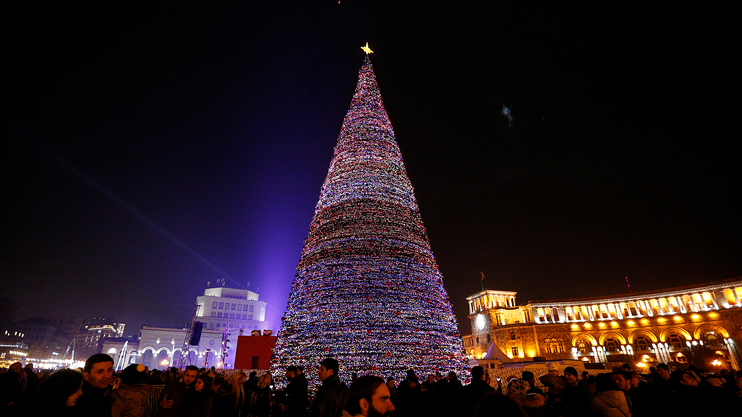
{"x": 575, "y": 397}
{"x": 132, "y": 396}
{"x": 555, "y": 383}
{"x": 532, "y": 404}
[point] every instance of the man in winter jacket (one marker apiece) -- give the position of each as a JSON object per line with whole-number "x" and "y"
{"x": 328, "y": 402}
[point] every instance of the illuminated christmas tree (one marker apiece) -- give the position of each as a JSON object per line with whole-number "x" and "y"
{"x": 367, "y": 290}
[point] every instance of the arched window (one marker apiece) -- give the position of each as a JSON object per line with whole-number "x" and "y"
{"x": 612, "y": 345}
{"x": 512, "y": 335}
{"x": 547, "y": 345}
{"x": 560, "y": 346}
{"x": 642, "y": 343}
{"x": 675, "y": 340}
{"x": 711, "y": 338}
{"x": 582, "y": 346}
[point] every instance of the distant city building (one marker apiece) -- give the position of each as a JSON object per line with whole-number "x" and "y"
{"x": 698, "y": 324}
{"x": 160, "y": 348}
{"x": 40, "y": 335}
{"x": 236, "y": 311}
{"x": 93, "y": 332}
{"x": 39, "y": 339}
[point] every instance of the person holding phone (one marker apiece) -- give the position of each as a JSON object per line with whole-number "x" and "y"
{"x": 186, "y": 395}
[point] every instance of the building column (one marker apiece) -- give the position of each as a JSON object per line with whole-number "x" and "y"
{"x": 648, "y": 307}
{"x": 713, "y": 299}
{"x": 733, "y": 354}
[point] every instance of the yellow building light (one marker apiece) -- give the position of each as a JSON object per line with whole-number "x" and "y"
{"x": 601, "y": 325}
{"x": 631, "y": 323}
{"x": 531, "y": 353}
{"x": 644, "y": 322}
{"x": 713, "y": 315}
{"x": 575, "y": 328}
{"x": 695, "y": 317}
{"x": 661, "y": 320}
{"x": 614, "y": 324}
{"x": 677, "y": 319}
{"x": 588, "y": 326}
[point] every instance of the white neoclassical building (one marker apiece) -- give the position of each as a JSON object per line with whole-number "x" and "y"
{"x": 220, "y": 309}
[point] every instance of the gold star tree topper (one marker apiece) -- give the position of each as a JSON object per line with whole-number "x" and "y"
{"x": 366, "y": 49}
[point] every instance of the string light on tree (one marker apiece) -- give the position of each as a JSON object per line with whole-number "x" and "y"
{"x": 367, "y": 289}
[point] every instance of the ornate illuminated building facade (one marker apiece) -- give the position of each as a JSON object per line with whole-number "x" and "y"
{"x": 699, "y": 324}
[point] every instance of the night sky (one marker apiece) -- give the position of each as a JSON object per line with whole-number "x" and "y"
{"x": 150, "y": 149}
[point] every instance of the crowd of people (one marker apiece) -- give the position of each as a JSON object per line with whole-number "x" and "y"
{"x": 97, "y": 391}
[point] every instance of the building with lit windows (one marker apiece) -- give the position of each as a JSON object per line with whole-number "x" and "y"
{"x": 699, "y": 324}
{"x": 95, "y": 331}
{"x": 226, "y": 313}
{"x": 239, "y": 309}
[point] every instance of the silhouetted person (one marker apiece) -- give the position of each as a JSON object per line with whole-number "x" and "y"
{"x": 328, "y": 402}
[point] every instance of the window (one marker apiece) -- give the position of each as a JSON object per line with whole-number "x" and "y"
{"x": 547, "y": 345}
{"x": 515, "y": 350}
{"x": 244, "y": 317}
{"x": 239, "y": 307}
{"x": 489, "y": 338}
{"x": 249, "y": 317}
{"x": 218, "y": 325}
{"x": 612, "y": 345}
{"x": 244, "y": 308}
{"x": 252, "y": 308}
{"x": 676, "y": 341}
{"x": 221, "y": 305}
{"x": 231, "y": 315}
{"x": 219, "y": 315}
{"x": 213, "y": 314}
{"x": 641, "y": 343}
{"x": 214, "y": 304}
{"x": 512, "y": 335}
{"x": 234, "y": 306}
{"x": 560, "y": 346}
{"x": 711, "y": 339}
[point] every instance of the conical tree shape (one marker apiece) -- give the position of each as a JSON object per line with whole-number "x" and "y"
{"x": 367, "y": 290}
